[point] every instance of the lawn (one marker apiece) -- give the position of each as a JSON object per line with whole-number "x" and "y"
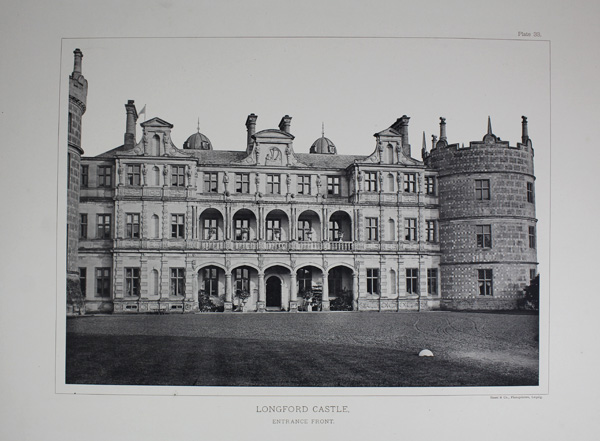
{"x": 304, "y": 349}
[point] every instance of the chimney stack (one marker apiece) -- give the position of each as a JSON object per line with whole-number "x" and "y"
{"x": 132, "y": 117}
{"x": 443, "y": 129}
{"x": 78, "y": 55}
{"x": 284, "y": 124}
{"x": 251, "y": 127}
{"x": 525, "y": 131}
{"x": 404, "y": 132}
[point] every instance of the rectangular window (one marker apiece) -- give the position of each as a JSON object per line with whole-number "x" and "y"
{"x": 373, "y": 280}
{"x": 484, "y": 236}
{"x": 132, "y": 225}
{"x": 412, "y": 280}
{"x": 482, "y": 189}
{"x": 304, "y": 279}
{"x": 432, "y": 281}
{"x": 410, "y": 229}
{"x": 83, "y": 281}
{"x": 335, "y": 230}
{"x": 333, "y": 185}
{"x": 410, "y": 182}
{"x": 242, "y": 229}
{"x": 430, "y": 185}
{"x": 211, "y": 281}
{"x": 370, "y": 181}
{"x": 102, "y": 282}
{"x": 178, "y": 176}
{"x": 104, "y": 176}
{"x": 241, "y": 277}
{"x": 85, "y": 175}
{"x": 132, "y": 281}
{"x": 372, "y": 228}
{"x": 485, "y": 282}
{"x": 304, "y": 230}
{"x": 133, "y": 174}
{"x": 209, "y": 229}
{"x": 83, "y": 226}
{"x": 431, "y": 230}
{"x": 530, "y": 192}
{"x": 303, "y": 184}
{"x": 273, "y": 229}
{"x": 177, "y": 226}
{"x": 211, "y": 182}
{"x": 532, "y": 237}
{"x": 103, "y": 226}
{"x": 177, "y": 281}
{"x": 242, "y": 183}
{"x": 273, "y": 184}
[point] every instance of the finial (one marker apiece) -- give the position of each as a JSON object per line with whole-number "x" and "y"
{"x": 424, "y": 142}
{"x": 198, "y": 124}
{"x": 489, "y": 132}
{"x": 433, "y": 141}
{"x": 322, "y": 129}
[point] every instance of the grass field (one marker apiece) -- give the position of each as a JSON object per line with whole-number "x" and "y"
{"x": 304, "y": 349}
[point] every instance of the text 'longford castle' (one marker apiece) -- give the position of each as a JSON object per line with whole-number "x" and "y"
{"x": 157, "y": 228}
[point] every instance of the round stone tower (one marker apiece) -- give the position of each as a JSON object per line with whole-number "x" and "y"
{"x": 487, "y": 223}
{"x": 77, "y": 104}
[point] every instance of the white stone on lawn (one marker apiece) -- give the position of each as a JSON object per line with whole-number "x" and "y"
{"x": 425, "y": 353}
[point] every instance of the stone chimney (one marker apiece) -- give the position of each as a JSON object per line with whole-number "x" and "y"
{"x": 443, "y": 129}
{"x": 251, "y": 127}
{"x": 132, "y": 117}
{"x": 404, "y": 132}
{"x": 284, "y": 124}
{"x": 78, "y": 55}
{"x": 525, "y": 131}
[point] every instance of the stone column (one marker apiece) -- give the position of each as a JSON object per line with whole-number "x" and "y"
{"x": 262, "y": 296}
{"x": 355, "y": 290}
{"x": 228, "y": 294}
{"x": 293, "y": 292}
{"x": 325, "y": 299}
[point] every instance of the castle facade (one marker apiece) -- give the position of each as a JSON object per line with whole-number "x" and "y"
{"x": 153, "y": 227}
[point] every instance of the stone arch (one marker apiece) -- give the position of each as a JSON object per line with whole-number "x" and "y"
{"x": 211, "y": 224}
{"x": 155, "y": 229}
{"x": 340, "y": 226}
{"x": 391, "y": 183}
{"x": 245, "y": 225}
{"x": 277, "y": 225}
{"x": 285, "y": 265}
{"x": 309, "y": 226}
{"x": 155, "y": 145}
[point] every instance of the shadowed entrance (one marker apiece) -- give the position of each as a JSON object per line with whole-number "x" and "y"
{"x": 273, "y": 292}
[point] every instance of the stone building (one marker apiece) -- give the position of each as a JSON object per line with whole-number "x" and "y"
{"x": 163, "y": 228}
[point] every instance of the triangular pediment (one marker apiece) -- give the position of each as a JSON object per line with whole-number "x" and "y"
{"x": 156, "y": 122}
{"x": 388, "y": 132}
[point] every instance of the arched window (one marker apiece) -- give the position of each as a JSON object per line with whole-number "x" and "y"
{"x": 391, "y": 229}
{"x": 390, "y": 154}
{"x": 391, "y": 183}
{"x": 155, "y": 146}
{"x": 154, "y": 283}
{"x": 155, "y": 227}
{"x": 155, "y": 176}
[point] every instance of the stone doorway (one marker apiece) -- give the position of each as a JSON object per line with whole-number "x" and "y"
{"x": 273, "y": 292}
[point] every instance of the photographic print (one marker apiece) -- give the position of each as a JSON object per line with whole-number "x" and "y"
{"x": 304, "y": 212}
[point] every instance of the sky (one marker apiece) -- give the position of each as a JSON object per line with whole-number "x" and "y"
{"x": 354, "y": 86}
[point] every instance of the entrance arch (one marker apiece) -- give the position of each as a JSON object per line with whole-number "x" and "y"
{"x": 273, "y": 292}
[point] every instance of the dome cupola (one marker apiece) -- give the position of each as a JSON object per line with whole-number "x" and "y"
{"x": 323, "y": 145}
{"x": 197, "y": 141}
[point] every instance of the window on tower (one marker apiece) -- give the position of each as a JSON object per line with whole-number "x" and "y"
{"x": 482, "y": 189}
